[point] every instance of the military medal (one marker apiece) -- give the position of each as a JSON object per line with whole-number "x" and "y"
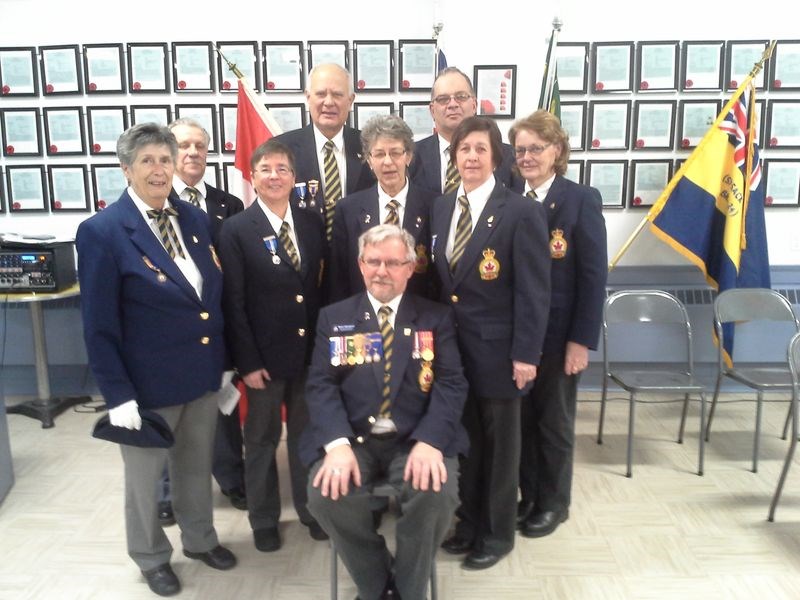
{"x": 300, "y": 190}
{"x": 489, "y": 267}
{"x": 422, "y": 259}
{"x": 215, "y": 257}
{"x": 425, "y": 378}
{"x": 159, "y": 275}
{"x": 426, "y": 345}
{"x": 358, "y": 343}
{"x": 367, "y": 349}
{"x": 415, "y": 352}
{"x": 272, "y": 245}
{"x": 313, "y": 188}
{"x": 376, "y": 341}
{"x": 433, "y": 247}
{"x": 334, "y": 350}
{"x": 351, "y": 350}
{"x": 558, "y": 245}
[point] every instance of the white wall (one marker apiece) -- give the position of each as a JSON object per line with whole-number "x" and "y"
{"x": 514, "y": 33}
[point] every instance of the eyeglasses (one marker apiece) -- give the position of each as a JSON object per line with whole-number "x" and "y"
{"x": 393, "y": 154}
{"x": 282, "y": 171}
{"x": 444, "y": 99}
{"x": 391, "y": 265}
{"x": 535, "y": 150}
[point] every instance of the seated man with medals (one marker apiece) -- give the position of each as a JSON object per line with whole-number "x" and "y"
{"x": 385, "y": 393}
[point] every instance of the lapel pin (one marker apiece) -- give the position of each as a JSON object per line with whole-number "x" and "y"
{"x": 367, "y": 219}
{"x": 407, "y": 331}
{"x": 490, "y": 220}
{"x": 419, "y": 222}
{"x": 194, "y": 239}
{"x": 366, "y": 316}
{"x": 552, "y": 205}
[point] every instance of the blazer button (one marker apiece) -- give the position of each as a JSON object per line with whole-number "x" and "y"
{"x": 453, "y": 298}
{"x": 298, "y": 298}
{"x": 360, "y": 439}
{"x": 205, "y": 340}
{"x": 371, "y": 420}
{"x": 204, "y": 316}
{"x": 301, "y": 332}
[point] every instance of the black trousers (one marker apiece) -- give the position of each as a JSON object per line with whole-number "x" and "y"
{"x": 489, "y": 474}
{"x": 228, "y": 468}
{"x": 548, "y": 436}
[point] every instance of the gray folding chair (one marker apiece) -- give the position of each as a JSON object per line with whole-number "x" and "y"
{"x": 664, "y": 317}
{"x": 794, "y": 368}
{"x": 756, "y": 306}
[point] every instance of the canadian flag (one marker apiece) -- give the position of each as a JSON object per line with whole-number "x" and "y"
{"x": 254, "y": 126}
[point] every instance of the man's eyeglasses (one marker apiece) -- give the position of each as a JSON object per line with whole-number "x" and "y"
{"x": 391, "y": 265}
{"x": 535, "y": 150}
{"x": 393, "y": 154}
{"x": 444, "y": 99}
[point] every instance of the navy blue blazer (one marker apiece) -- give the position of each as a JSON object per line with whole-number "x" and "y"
{"x": 426, "y": 166}
{"x": 342, "y": 399}
{"x": 359, "y": 212}
{"x": 148, "y": 336}
{"x": 504, "y": 318}
{"x": 302, "y": 143}
{"x": 270, "y": 309}
{"x": 579, "y": 266}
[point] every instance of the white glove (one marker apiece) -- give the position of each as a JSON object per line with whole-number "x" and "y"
{"x": 126, "y": 415}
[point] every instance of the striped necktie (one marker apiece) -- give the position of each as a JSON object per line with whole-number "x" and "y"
{"x": 169, "y": 237}
{"x": 393, "y": 217}
{"x": 387, "y": 334}
{"x": 532, "y": 195}
{"x": 194, "y": 196}
{"x": 452, "y": 178}
{"x": 333, "y": 186}
{"x": 288, "y": 245}
{"x": 463, "y": 232}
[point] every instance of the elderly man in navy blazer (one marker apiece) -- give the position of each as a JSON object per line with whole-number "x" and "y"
{"x": 385, "y": 393}
{"x": 151, "y": 291}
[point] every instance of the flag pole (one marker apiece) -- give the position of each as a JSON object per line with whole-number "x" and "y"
{"x": 675, "y": 178}
{"x": 545, "y": 97}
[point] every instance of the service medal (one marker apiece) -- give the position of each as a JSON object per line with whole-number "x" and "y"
{"x": 426, "y": 345}
{"x": 425, "y": 378}
{"x": 358, "y": 342}
{"x": 276, "y": 260}
{"x": 421, "y": 264}
{"x": 215, "y": 257}
{"x": 351, "y": 350}
{"x": 558, "y": 245}
{"x": 489, "y": 267}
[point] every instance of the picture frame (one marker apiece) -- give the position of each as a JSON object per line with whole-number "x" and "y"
{"x": 417, "y": 116}
{"x": 227, "y": 123}
{"x": 244, "y": 56}
{"x": 105, "y": 125}
{"x": 63, "y": 131}
{"x": 649, "y": 178}
{"x": 610, "y": 178}
{"x": 701, "y": 66}
{"x": 784, "y": 124}
{"x": 654, "y": 124}
{"x": 192, "y": 67}
{"x": 416, "y": 65}
{"x": 694, "y": 119}
{"x": 206, "y": 115}
{"x": 373, "y": 66}
{"x": 364, "y": 111}
{"x": 68, "y": 187}
{"x": 289, "y": 116}
{"x": 211, "y": 176}
{"x": 575, "y": 171}
{"x": 496, "y": 90}
{"x": 784, "y": 71}
{"x": 572, "y": 67}
{"x": 573, "y": 121}
{"x": 284, "y": 66}
{"x": 148, "y": 68}
{"x": 612, "y": 67}
{"x": 657, "y": 66}
{"x": 19, "y": 75}
{"x": 741, "y": 58}
{"x": 151, "y": 113}
{"x": 781, "y": 182}
{"x": 761, "y": 128}
{"x": 104, "y": 68}
{"x": 2, "y": 197}
{"x": 231, "y": 176}
{"x": 328, "y": 51}
{"x": 22, "y": 132}
{"x": 609, "y": 124}
{"x": 26, "y": 189}
{"x": 108, "y": 183}
{"x": 61, "y": 70}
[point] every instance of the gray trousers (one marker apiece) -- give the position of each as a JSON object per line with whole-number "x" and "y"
{"x": 189, "y": 462}
{"x": 423, "y": 524}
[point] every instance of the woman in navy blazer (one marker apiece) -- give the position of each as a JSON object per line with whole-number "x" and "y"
{"x": 578, "y": 279}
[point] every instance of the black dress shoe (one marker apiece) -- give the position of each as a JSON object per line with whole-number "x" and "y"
{"x": 543, "y": 523}
{"x": 162, "y": 580}
{"x": 389, "y": 591}
{"x": 237, "y": 497}
{"x": 478, "y": 560}
{"x": 267, "y": 539}
{"x": 217, "y": 558}
{"x": 316, "y": 532}
{"x": 165, "y": 515}
{"x": 457, "y": 545}
{"x": 524, "y": 510}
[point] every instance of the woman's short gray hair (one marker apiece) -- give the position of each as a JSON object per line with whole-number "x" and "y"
{"x": 135, "y": 138}
{"x": 390, "y": 126}
{"x": 381, "y": 233}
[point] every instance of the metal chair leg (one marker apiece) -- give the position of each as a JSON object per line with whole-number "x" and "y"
{"x": 334, "y": 574}
{"x": 434, "y": 587}
{"x": 702, "y": 450}
{"x": 757, "y": 433}
{"x": 683, "y": 418}
{"x": 602, "y": 409}
{"x": 787, "y": 421}
{"x": 630, "y": 435}
{"x": 713, "y": 406}
{"x": 787, "y": 462}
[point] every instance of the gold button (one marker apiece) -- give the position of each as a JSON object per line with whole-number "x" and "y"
{"x": 204, "y": 316}
{"x": 301, "y": 332}
{"x": 298, "y": 298}
{"x": 371, "y": 420}
{"x": 360, "y": 439}
{"x": 205, "y": 340}
{"x": 453, "y": 298}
